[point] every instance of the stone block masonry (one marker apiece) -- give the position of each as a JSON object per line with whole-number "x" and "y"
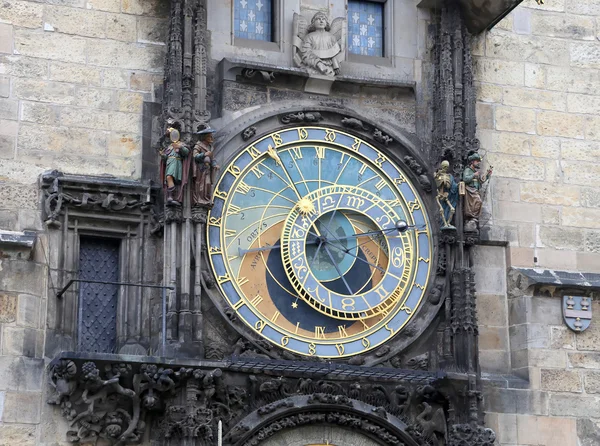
{"x": 538, "y": 80}
{"x": 73, "y": 78}
{"x": 538, "y": 84}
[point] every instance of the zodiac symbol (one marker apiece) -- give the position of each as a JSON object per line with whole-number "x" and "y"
{"x": 327, "y": 203}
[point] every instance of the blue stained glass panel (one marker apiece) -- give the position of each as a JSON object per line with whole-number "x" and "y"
{"x": 253, "y": 19}
{"x": 365, "y": 28}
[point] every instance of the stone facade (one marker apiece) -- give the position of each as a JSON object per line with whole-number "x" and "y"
{"x": 538, "y": 74}
{"x": 73, "y": 80}
{"x": 77, "y": 82}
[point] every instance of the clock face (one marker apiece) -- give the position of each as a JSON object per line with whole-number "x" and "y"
{"x": 303, "y": 242}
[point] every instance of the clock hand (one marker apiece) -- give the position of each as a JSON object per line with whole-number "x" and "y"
{"x": 317, "y": 251}
{"x": 282, "y": 164}
{"x": 267, "y": 248}
{"x": 401, "y": 226}
{"x": 356, "y": 257}
{"x": 337, "y": 269}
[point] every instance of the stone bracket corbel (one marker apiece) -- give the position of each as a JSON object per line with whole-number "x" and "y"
{"x": 17, "y": 245}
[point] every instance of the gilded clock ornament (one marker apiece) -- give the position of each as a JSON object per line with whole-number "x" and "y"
{"x": 309, "y": 245}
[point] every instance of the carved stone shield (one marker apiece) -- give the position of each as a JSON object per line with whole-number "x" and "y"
{"x": 577, "y": 312}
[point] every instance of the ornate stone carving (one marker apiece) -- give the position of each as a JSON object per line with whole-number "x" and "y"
{"x": 470, "y": 435}
{"x": 248, "y": 133}
{"x": 416, "y": 167}
{"x": 267, "y": 76}
{"x": 301, "y": 117}
{"x": 93, "y": 194}
{"x": 318, "y": 46}
{"x": 354, "y": 123}
{"x": 381, "y": 137}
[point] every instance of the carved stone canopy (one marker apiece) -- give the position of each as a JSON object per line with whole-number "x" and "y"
{"x": 479, "y": 15}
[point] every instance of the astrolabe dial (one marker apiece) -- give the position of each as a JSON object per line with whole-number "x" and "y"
{"x": 345, "y": 257}
{"x": 304, "y": 244}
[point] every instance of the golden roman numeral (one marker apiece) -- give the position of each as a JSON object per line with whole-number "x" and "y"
{"x": 297, "y": 327}
{"x": 320, "y": 152}
{"x": 275, "y": 316}
{"x": 380, "y": 185}
{"x": 243, "y": 188}
{"x": 236, "y": 306}
{"x": 256, "y": 171}
{"x": 242, "y": 280}
{"x": 319, "y": 332}
{"x": 393, "y": 203}
{"x": 297, "y": 153}
{"x": 230, "y": 232}
{"x": 233, "y": 209}
{"x": 256, "y": 300}
{"x": 342, "y": 330}
{"x": 363, "y": 169}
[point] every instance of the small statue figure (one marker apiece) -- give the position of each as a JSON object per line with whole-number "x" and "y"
{"x": 205, "y": 168}
{"x": 447, "y": 195}
{"x": 318, "y": 46}
{"x": 473, "y": 181}
{"x": 173, "y": 169}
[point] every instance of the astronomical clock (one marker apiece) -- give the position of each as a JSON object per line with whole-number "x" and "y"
{"x": 319, "y": 242}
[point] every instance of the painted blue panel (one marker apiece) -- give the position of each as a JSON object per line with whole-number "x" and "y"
{"x": 219, "y": 265}
{"x": 252, "y": 19}
{"x": 424, "y": 246}
{"x": 365, "y": 28}
{"x": 214, "y": 233}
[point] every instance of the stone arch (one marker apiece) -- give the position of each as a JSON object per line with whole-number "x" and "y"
{"x": 379, "y": 427}
{"x": 268, "y": 118}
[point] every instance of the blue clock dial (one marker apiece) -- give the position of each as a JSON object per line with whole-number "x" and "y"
{"x": 303, "y": 242}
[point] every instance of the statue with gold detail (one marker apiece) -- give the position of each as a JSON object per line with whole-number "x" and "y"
{"x": 447, "y": 194}
{"x": 318, "y": 46}
{"x": 174, "y": 167}
{"x": 474, "y": 180}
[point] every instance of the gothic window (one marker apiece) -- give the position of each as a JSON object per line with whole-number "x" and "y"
{"x": 365, "y": 28}
{"x": 97, "y": 318}
{"x": 253, "y": 19}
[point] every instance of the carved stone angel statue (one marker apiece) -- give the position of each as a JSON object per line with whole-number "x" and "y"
{"x": 319, "y": 45}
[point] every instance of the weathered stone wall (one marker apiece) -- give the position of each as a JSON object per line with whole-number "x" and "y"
{"x": 73, "y": 77}
{"x": 538, "y": 74}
